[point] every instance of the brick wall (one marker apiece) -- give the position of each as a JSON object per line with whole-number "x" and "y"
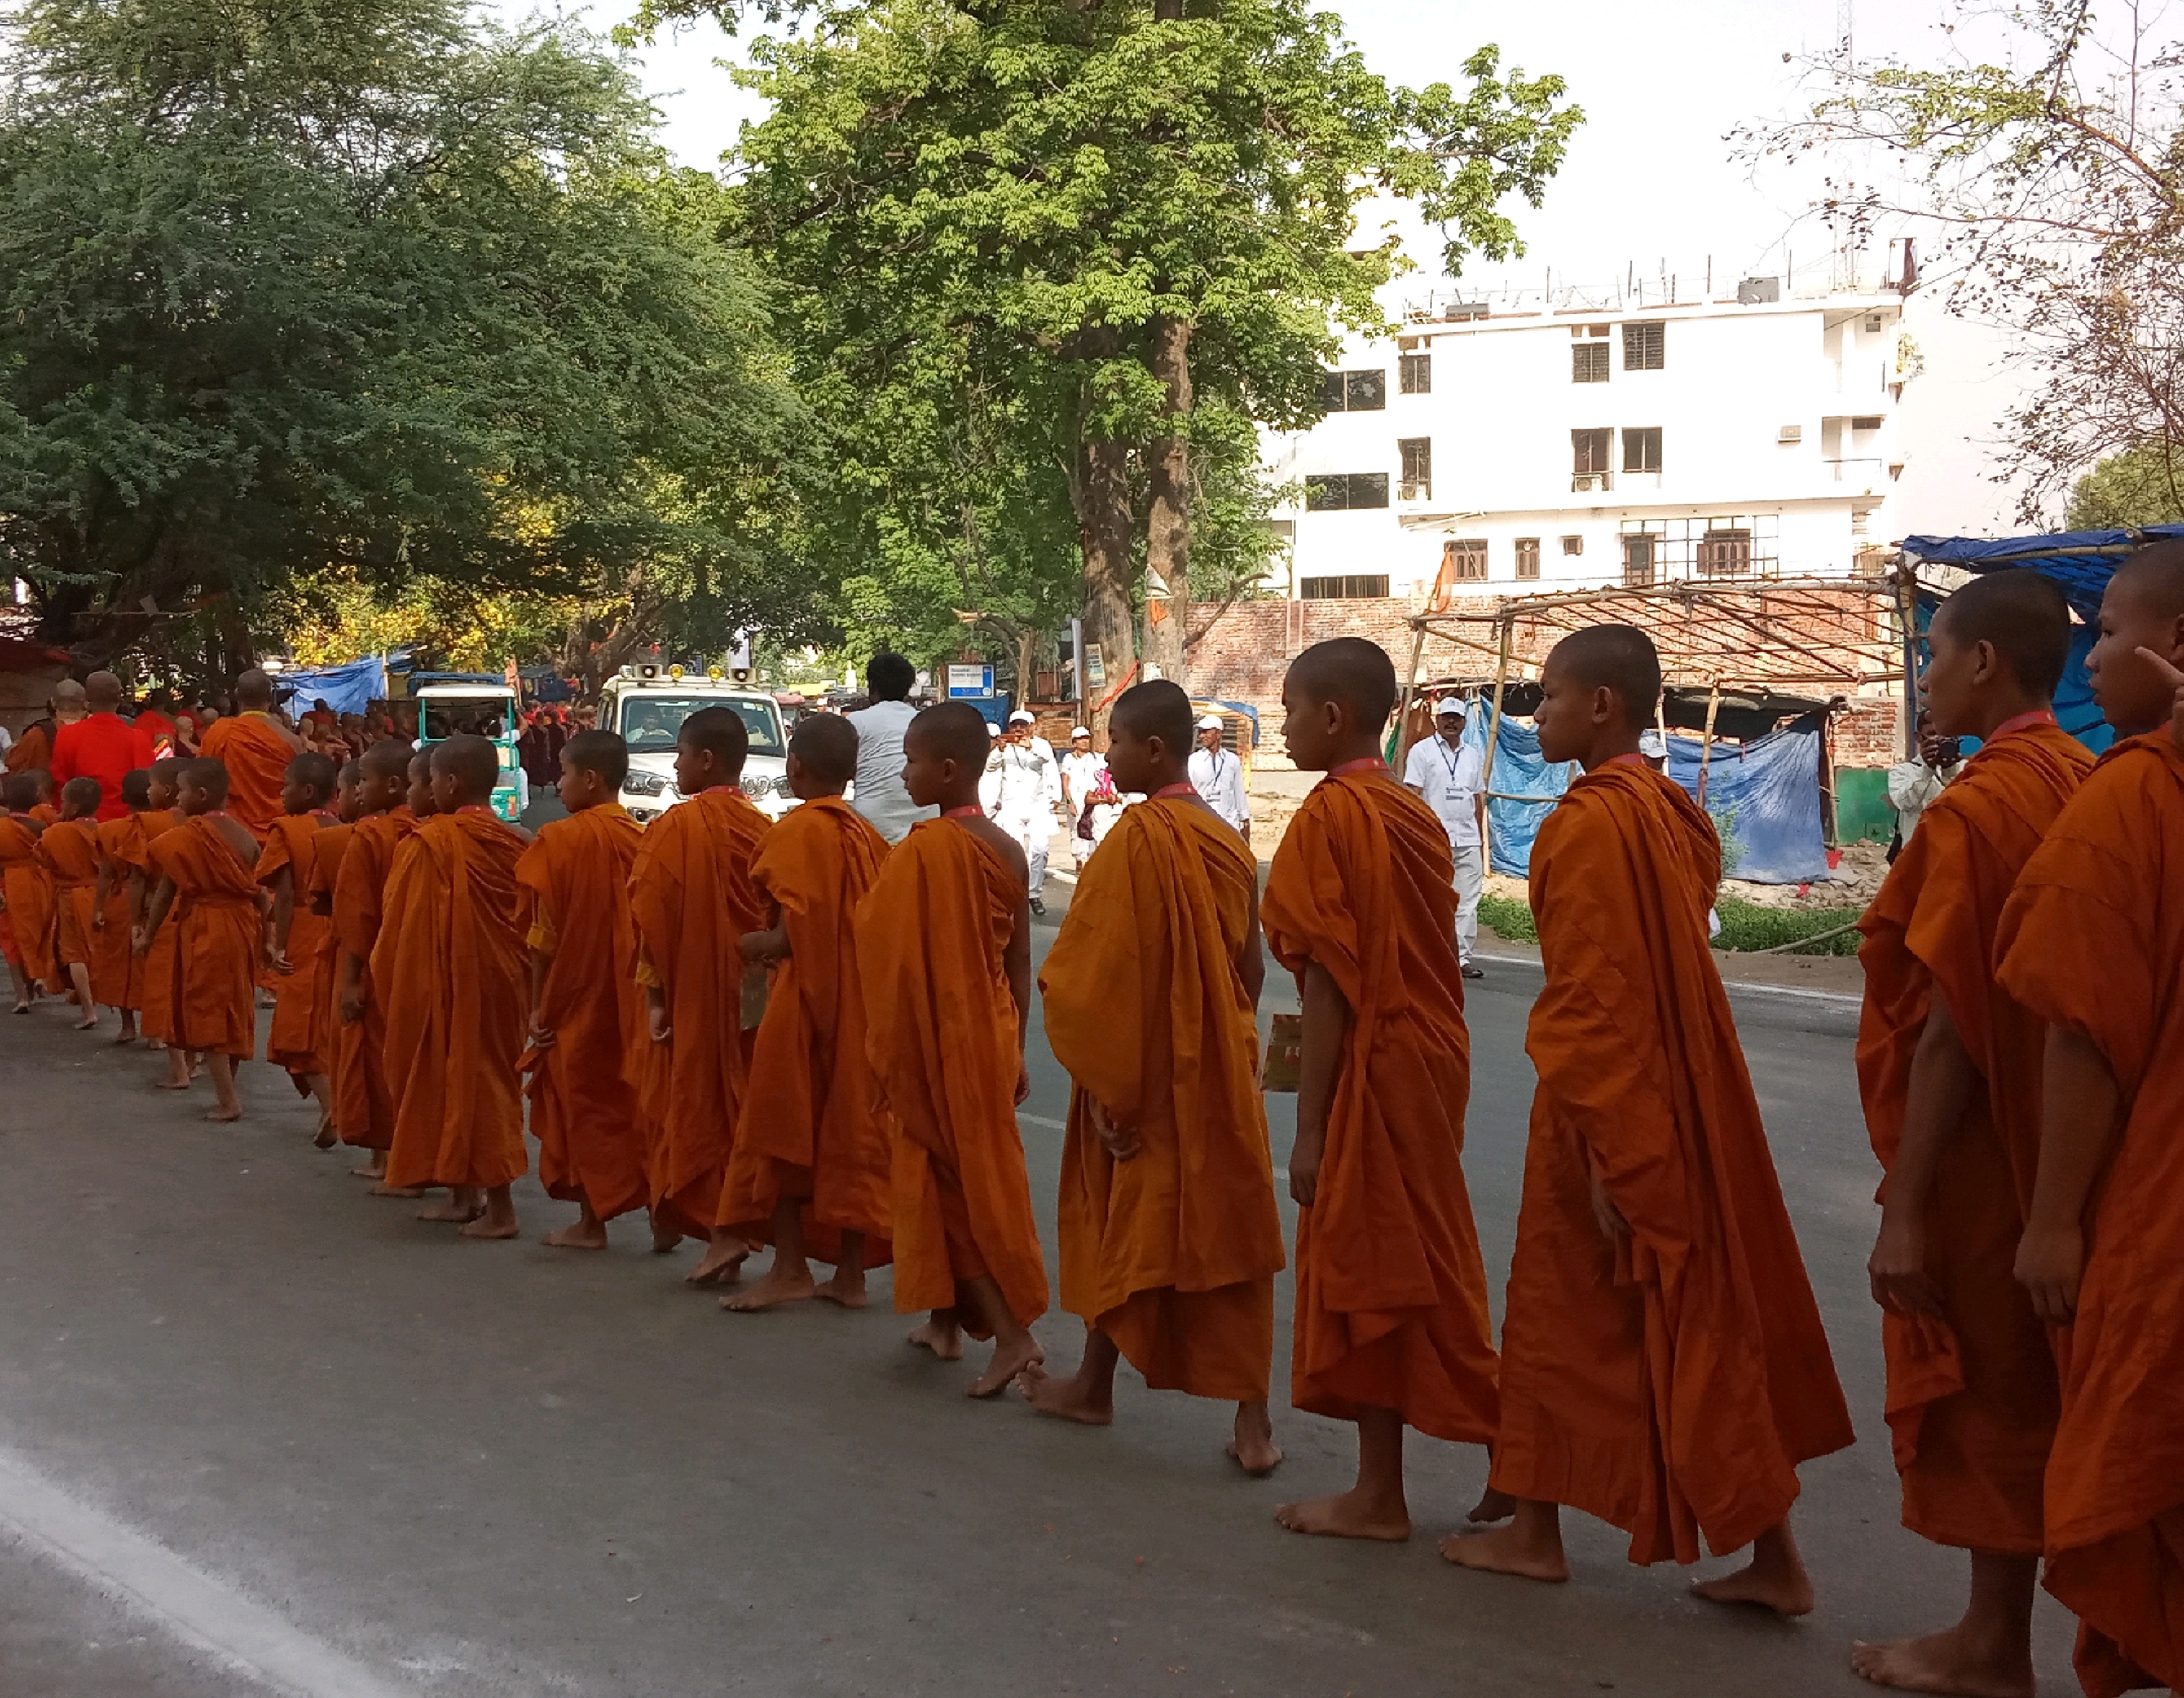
{"x": 1869, "y": 731}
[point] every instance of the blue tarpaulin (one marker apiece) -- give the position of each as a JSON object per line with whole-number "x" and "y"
{"x": 347, "y": 689}
{"x": 1517, "y": 771}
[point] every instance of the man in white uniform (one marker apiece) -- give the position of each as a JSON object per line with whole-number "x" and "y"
{"x": 1218, "y": 775}
{"x": 1452, "y": 777}
{"x": 880, "y": 796}
{"x": 1028, "y": 786}
{"x": 1083, "y": 774}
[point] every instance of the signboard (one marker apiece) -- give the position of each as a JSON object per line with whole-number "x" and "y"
{"x": 970, "y": 681}
{"x": 1096, "y": 667}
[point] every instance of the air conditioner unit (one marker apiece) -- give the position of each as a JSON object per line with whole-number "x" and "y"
{"x": 1790, "y": 435}
{"x": 1582, "y": 481}
{"x": 1414, "y": 491}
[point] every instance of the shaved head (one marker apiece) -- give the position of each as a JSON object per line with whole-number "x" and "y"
{"x": 315, "y": 772}
{"x": 720, "y": 732}
{"x": 19, "y": 791}
{"x": 953, "y": 731}
{"x": 83, "y": 795}
{"x": 68, "y": 697}
{"x": 255, "y": 690}
{"x": 168, "y": 769}
{"x": 1620, "y": 658}
{"x": 2024, "y": 617}
{"x": 600, "y": 752}
{"x": 137, "y": 787}
{"x": 1348, "y": 670}
{"x": 208, "y": 775}
{"x": 384, "y": 758}
{"x": 827, "y": 744}
{"x": 1159, "y": 708}
{"x": 471, "y": 761}
{"x": 103, "y": 690}
{"x": 2155, "y": 576}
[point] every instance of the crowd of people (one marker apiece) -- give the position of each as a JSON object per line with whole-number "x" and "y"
{"x": 810, "y": 1035}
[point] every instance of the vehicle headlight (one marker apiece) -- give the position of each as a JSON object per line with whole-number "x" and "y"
{"x": 644, "y": 784}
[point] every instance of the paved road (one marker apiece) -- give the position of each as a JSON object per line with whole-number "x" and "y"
{"x": 237, "y": 1395}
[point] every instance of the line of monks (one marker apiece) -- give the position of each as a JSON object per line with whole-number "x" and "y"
{"x": 793, "y": 1035}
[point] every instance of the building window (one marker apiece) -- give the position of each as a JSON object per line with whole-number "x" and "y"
{"x": 1528, "y": 556}
{"x": 1725, "y": 554}
{"x": 1572, "y": 545}
{"x": 1337, "y": 491}
{"x": 1363, "y": 587}
{"x": 1418, "y": 467}
{"x": 1416, "y": 374}
{"x": 1642, "y": 449}
{"x": 1871, "y": 423}
{"x": 1638, "y": 560}
{"x": 1645, "y": 347}
{"x": 1466, "y": 557}
{"x": 1588, "y": 362}
{"x": 1590, "y": 451}
{"x": 1353, "y": 391}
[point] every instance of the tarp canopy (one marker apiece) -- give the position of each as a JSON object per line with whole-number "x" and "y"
{"x": 347, "y": 689}
{"x": 1739, "y": 714}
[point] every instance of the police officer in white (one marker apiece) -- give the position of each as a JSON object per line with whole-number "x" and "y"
{"x": 1218, "y": 775}
{"x": 1026, "y": 786}
{"x": 1452, "y": 777}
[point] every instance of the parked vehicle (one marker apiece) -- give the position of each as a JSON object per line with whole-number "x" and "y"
{"x": 647, "y": 703}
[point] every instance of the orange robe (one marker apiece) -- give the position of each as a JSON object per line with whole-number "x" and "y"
{"x": 30, "y": 891}
{"x": 31, "y": 752}
{"x": 2093, "y": 940}
{"x": 157, "y": 968}
{"x": 69, "y": 852}
{"x": 941, "y": 1031}
{"x": 810, "y": 1125}
{"x": 292, "y": 1041}
{"x": 1971, "y": 1405}
{"x": 364, "y": 1106}
{"x": 328, "y": 848}
{"x": 449, "y": 963}
{"x": 1172, "y": 1254}
{"x": 584, "y": 1108}
{"x": 117, "y": 976}
{"x": 691, "y": 899}
{"x": 216, "y": 924}
{"x": 257, "y": 753}
{"x": 1391, "y": 1310}
{"x": 1670, "y": 1387}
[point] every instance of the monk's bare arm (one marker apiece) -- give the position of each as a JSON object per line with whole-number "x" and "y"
{"x": 1252, "y": 962}
{"x": 771, "y": 944}
{"x": 284, "y": 915}
{"x": 352, "y": 987}
{"x": 542, "y": 963}
{"x": 136, "y": 888}
{"x": 1016, "y": 960}
{"x": 1326, "y": 1025}
{"x": 1942, "y": 1080}
{"x": 99, "y": 894}
{"x": 2080, "y": 1100}
{"x": 156, "y": 911}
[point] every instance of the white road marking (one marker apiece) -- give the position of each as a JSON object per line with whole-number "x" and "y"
{"x": 146, "y": 1578}
{"x": 1041, "y": 1120}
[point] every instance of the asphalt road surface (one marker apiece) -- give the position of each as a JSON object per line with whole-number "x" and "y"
{"x": 260, "y": 1434}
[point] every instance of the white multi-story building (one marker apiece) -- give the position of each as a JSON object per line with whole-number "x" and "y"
{"x": 1562, "y": 447}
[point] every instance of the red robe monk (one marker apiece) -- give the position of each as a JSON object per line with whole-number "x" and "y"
{"x": 256, "y": 749}
{"x": 117, "y": 975}
{"x": 208, "y": 894}
{"x": 364, "y": 1104}
{"x": 69, "y": 852}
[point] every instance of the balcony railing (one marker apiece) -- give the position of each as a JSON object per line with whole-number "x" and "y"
{"x": 1862, "y": 469}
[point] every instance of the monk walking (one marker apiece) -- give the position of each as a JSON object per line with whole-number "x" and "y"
{"x": 1170, "y": 1234}
{"x": 450, "y": 960}
{"x": 29, "y": 890}
{"x": 1663, "y": 1364}
{"x": 943, "y": 948}
{"x": 156, "y": 965}
{"x": 117, "y": 976}
{"x": 292, "y": 933}
{"x": 810, "y": 1169}
{"x": 1391, "y": 1322}
{"x": 316, "y": 896}
{"x": 69, "y": 852}
{"x": 364, "y": 1103}
{"x": 2092, "y": 944}
{"x": 588, "y": 1043}
{"x": 257, "y": 749}
{"x": 691, "y": 899}
{"x": 1949, "y": 1068}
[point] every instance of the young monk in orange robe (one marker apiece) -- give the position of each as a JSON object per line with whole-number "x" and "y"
{"x": 588, "y": 1041}
{"x": 449, "y": 962}
{"x": 1949, "y": 1068}
{"x": 292, "y": 933}
{"x": 1170, "y": 1235}
{"x": 257, "y": 749}
{"x": 364, "y": 1106}
{"x": 205, "y": 867}
{"x": 155, "y": 965}
{"x": 117, "y": 976}
{"x": 691, "y": 899}
{"x": 943, "y": 948}
{"x": 328, "y": 849}
{"x": 809, "y": 1171}
{"x": 1391, "y": 1323}
{"x": 28, "y": 888}
{"x": 1663, "y": 1364}
{"x": 69, "y": 852}
{"x": 2092, "y": 943}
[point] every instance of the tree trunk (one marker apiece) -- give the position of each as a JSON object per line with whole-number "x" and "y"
{"x": 1102, "y": 493}
{"x": 1167, "y": 526}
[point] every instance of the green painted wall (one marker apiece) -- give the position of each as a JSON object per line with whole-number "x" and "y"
{"x": 1862, "y": 809}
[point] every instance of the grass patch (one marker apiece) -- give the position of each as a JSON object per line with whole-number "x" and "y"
{"x": 1511, "y": 920}
{"x": 1744, "y": 925}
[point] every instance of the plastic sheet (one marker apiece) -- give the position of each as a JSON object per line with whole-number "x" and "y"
{"x": 347, "y": 689}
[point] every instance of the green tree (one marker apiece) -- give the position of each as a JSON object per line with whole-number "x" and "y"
{"x": 2143, "y": 485}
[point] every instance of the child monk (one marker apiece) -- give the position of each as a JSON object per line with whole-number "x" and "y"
{"x": 589, "y": 1042}
{"x": 29, "y": 890}
{"x": 364, "y": 1106}
{"x": 206, "y": 867}
{"x": 292, "y": 933}
{"x": 117, "y": 976}
{"x": 943, "y": 948}
{"x": 257, "y": 749}
{"x": 1663, "y": 1364}
{"x": 691, "y": 899}
{"x": 1949, "y": 1068}
{"x": 2092, "y": 944}
{"x": 1170, "y": 1235}
{"x": 316, "y": 895}
{"x": 1391, "y": 1323}
{"x": 449, "y": 962}
{"x": 157, "y": 964}
{"x": 810, "y": 1169}
{"x": 69, "y": 852}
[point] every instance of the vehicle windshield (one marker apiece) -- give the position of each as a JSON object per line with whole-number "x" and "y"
{"x": 446, "y": 716}
{"x": 649, "y": 722}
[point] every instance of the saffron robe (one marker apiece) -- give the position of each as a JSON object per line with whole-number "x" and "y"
{"x": 69, "y": 852}
{"x": 574, "y": 879}
{"x": 2093, "y": 940}
{"x": 30, "y": 891}
{"x": 1391, "y": 1310}
{"x": 292, "y": 1042}
{"x": 691, "y": 899}
{"x": 1672, "y": 1387}
{"x": 158, "y": 963}
{"x": 1172, "y": 1254}
{"x": 256, "y": 752}
{"x": 215, "y": 920}
{"x": 941, "y": 1033}
{"x": 1971, "y": 1404}
{"x": 117, "y": 975}
{"x": 328, "y": 849}
{"x": 449, "y": 963}
{"x": 810, "y": 1125}
{"x": 364, "y": 1106}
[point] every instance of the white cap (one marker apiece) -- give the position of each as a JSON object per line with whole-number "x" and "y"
{"x": 1081, "y": 731}
{"x": 1022, "y": 717}
{"x": 1212, "y": 722}
{"x": 1451, "y": 704}
{"x": 991, "y": 730}
{"x": 1653, "y": 745}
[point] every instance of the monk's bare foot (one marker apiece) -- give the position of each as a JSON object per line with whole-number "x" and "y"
{"x": 845, "y": 1287}
{"x": 374, "y": 1168}
{"x": 579, "y": 1235}
{"x": 1070, "y": 1399}
{"x": 88, "y": 1023}
{"x": 1253, "y": 1448}
{"x": 780, "y": 1286}
{"x": 1492, "y": 1506}
{"x": 1008, "y": 1360}
{"x": 406, "y": 1192}
{"x": 943, "y": 1338}
{"x": 180, "y": 1084}
{"x": 224, "y": 1114}
{"x": 1955, "y": 1662}
{"x": 722, "y": 1263}
{"x": 327, "y": 1137}
{"x": 1507, "y": 1551}
{"x": 665, "y": 1239}
{"x": 1786, "y": 1595}
{"x": 461, "y": 1214}
{"x": 1346, "y": 1515}
{"x": 486, "y": 1226}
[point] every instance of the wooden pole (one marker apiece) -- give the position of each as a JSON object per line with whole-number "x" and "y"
{"x": 1494, "y": 731}
{"x": 1410, "y": 690}
{"x": 1906, "y": 610}
{"x": 1706, "y": 746}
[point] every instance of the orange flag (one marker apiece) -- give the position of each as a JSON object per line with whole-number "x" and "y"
{"x": 117, "y": 975}
{"x": 1971, "y": 1405}
{"x": 215, "y": 926}
{"x": 69, "y": 852}
{"x": 1672, "y": 1386}
{"x": 1172, "y": 1254}
{"x": 449, "y": 963}
{"x": 810, "y": 1125}
{"x": 1391, "y": 1289}
{"x": 364, "y": 1106}
{"x": 30, "y": 891}
{"x": 691, "y": 899}
{"x": 584, "y": 1108}
{"x": 2092, "y": 941}
{"x": 256, "y": 752}
{"x": 941, "y": 1031}
{"x": 298, "y": 996}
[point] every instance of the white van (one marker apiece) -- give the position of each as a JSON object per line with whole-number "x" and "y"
{"x": 646, "y": 705}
